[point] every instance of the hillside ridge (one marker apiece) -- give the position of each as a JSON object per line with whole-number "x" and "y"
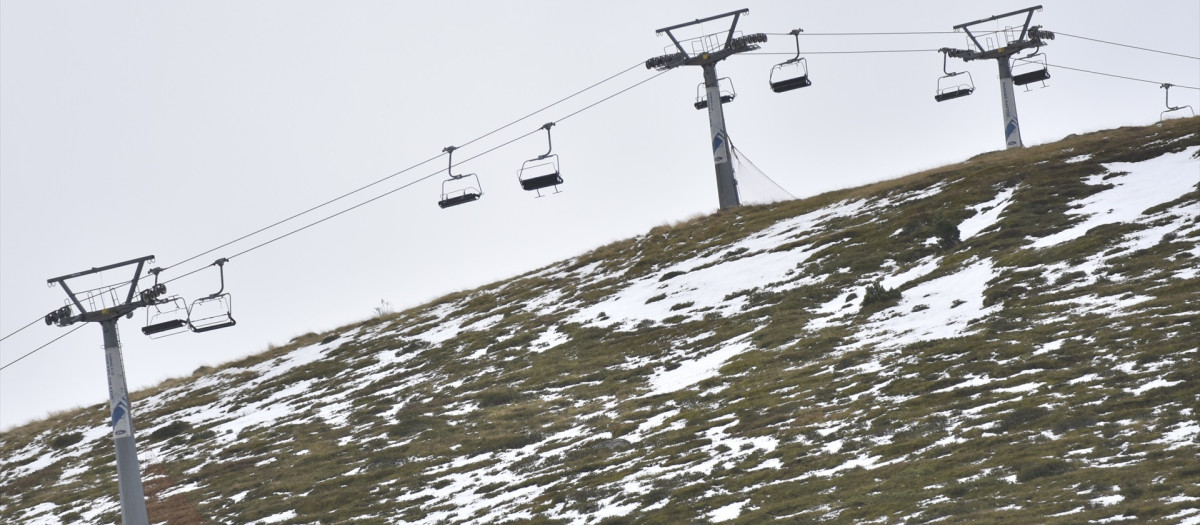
{"x": 1008, "y": 339}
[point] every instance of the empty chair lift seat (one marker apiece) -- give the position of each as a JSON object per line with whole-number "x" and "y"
{"x": 790, "y": 84}
{"x": 165, "y": 326}
{"x": 953, "y": 94}
{"x": 458, "y": 199}
{"x": 1039, "y": 75}
{"x": 541, "y": 181}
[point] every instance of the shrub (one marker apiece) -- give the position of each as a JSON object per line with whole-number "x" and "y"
{"x": 946, "y": 231}
{"x": 876, "y": 293}
{"x": 66, "y": 440}
{"x": 1041, "y": 469}
{"x": 173, "y": 429}
{"x": 670, "y": 275}
{"x": 498, "y": 397}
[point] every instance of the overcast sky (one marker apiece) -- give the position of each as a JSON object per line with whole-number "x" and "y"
{"x": 170, "y": 128}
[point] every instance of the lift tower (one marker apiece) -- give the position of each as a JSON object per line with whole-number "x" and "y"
{"x": 706, "y": 51}
{"x": 106, "y": 305}
{"x": 1030, "y": 37}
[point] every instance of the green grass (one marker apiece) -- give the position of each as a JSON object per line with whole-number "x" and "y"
{"x": 929, "y": 446}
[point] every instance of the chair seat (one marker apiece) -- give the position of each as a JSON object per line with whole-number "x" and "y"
{"x": 953, "y": 94}
{"x": 1031, "y": 77}
{"x": 458, "y": 199}
{"x": 541, "y": 181}
{"x": 214, "y": 326}
{"x": 790, "y": 84}
{"x": 164, "y": 326}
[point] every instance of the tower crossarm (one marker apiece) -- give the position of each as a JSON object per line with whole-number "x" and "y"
{"x": 730, "y": 44}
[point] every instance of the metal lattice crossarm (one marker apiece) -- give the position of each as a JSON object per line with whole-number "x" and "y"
{"x": 90, "y": 313}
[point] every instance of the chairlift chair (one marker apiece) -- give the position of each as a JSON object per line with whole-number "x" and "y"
{"x": 1030, "y": 68}
{"x": 214, "y": 311}
{"x": 1162, "y": 116}
{"x": 168, "y": 317}
{"x": 727, "y": 95}
{"x": 542, "y": 171}
{"x": 163, "y": 316}
{"x": 463, "y": 188}
{"x": 793, "y": 73}
{"x": 949, "y": 87}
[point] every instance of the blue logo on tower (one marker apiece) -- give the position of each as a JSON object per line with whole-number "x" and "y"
{"x": 719, "y": 154}
{"x": 120, "y": 422}
{"x": 1010, "y": 129}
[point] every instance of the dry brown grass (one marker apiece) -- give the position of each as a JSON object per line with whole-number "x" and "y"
{"x": 177, "y": 509}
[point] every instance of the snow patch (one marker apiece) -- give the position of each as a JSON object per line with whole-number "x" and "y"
{"x": 696, "y": 370}
{"x": 986, "y": 215}
{"x": 727, "y": 513}
{"x": 1147, "y": 184}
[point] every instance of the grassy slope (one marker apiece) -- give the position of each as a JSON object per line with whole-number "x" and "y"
{"x": 809, "y": 402}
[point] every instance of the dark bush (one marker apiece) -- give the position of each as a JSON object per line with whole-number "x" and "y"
{"x": 876, "y": 293}
{"x": 946, "y": 231}
{"x": 670, "y": 275}
{"x": 1048, "y": 467}
{"x": 66, "y": 440}
{"x": 175, "y": 428}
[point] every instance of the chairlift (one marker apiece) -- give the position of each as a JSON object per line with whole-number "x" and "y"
{"x": 542, "y": 171}
{"x": 793, "y": 73}
{"x": 462, "y": 188}
{"x": 949, "y": 87}
{"x": 727, "y": 93}
{"x": 163, "y": 316}
{"x": 1162, "y": 116}
{"x": 168, "y": 317}
{"x": 214, "y": 311}
{"x": 1030, "y": 68}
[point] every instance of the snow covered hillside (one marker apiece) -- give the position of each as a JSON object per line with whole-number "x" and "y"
{"x": 1013, "y": 339}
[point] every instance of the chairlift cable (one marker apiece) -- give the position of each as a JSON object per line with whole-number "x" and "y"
{"x": 52, "y": 341}
{"x": 411, "y": 183}
{"x": 14, "y": 332}
{"x": 375, "y": 198}
{"x": 865, "y": 51}
{"x": 438, "y": 172}
{"x": 869, "y": 33}
{"x": 1122, "y": 77}
{"x": 405, "y": 170}
{"x": 309, "y": 210}
{"x": 559, "y": 101}
{"x": 1060, "y": 33}
{"x": 605, "y": 99}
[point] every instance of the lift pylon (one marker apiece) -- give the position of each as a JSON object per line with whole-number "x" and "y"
{"x": 705, "y": 51}
{"x": 1030, "y": 37}
{"x": 106, "y": 305}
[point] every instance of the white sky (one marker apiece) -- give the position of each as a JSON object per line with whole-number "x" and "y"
{"x": 138, "y": 128}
